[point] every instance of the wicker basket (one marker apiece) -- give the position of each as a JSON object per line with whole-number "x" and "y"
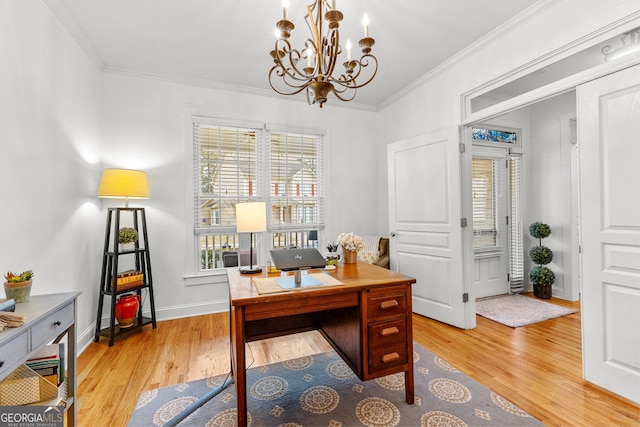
{"x": 24, "y": 386}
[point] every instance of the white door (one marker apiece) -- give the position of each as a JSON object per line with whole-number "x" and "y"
{"x": 609, "y": 139}
{"x": 489, "y": 188}
{"x": 424, "y": 221}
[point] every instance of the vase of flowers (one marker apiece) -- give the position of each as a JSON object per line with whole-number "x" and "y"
{"x": 351, "y": 245}
{"x": 18, "y": 286}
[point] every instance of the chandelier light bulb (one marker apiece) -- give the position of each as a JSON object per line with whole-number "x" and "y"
{"x": 285, "y": 6}
{"x": 365, "y": 22}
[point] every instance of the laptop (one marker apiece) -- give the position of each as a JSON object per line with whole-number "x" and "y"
{"x": 296, "y": 259}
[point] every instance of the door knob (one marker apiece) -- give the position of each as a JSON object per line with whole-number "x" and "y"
{"x": 392, "y": 234}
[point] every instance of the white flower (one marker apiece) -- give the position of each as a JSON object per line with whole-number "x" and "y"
{"x": 351, "y": 242}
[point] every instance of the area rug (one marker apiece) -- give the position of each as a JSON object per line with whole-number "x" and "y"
{"x": 519, "y": 310}
{"x": 321, "y": 390}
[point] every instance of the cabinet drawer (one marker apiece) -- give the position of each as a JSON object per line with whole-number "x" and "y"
{"x": 385, "y": 334}
{"x": 389, "y": 356}
{"x": 51, "y": 326}
{"x": 13, "y": 352}
{"x": 387, "y": 302}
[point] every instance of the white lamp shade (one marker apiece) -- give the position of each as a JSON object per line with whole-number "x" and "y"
{"x": 251, "y": 217}
{"x": 124, "y": 184}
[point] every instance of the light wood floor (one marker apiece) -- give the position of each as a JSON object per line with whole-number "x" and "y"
{"x": 537, "y": 367}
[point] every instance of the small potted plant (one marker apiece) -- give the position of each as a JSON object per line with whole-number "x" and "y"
{"x": 127, "y": 237}
{"x": 541, "y": 277}
{"x": 18, "y": 286}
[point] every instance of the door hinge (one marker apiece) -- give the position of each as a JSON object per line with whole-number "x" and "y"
{"x": 506, "y": 163}
{"x": 461, "y": 147}
{"x": 508, "y": 277}
{"x": 465, "y": 297}
{"x": 507, "y": 219}
{"x": 463, "y": 222}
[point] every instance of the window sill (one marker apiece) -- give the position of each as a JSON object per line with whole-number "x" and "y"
{"x": 212, "y": 277}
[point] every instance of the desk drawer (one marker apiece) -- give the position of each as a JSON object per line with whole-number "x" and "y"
{"x": 13, "y": 352}
{"x": 387, "y": 302}
{"x": 382, "y": 335}
{"x": 52, "y": 326}
{"x": 389, "y": 356}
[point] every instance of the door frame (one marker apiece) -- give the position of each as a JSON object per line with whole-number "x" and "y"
{"x": 500, "y": 153}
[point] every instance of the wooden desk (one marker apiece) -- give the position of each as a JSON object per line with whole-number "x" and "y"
{"x": 367, "y": 321}
{"x": 49, "y": 317}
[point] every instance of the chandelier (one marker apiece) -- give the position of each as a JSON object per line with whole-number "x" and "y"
{"x": 313, "y": 68}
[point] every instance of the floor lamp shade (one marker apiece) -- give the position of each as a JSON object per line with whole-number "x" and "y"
{"x": 251, "y": 218}
{"x": 124, "y": 184}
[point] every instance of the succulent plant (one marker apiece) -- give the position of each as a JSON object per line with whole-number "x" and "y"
{"x": 11, "y": 277}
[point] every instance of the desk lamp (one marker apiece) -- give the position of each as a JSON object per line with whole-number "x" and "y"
{"x": 124, "y": 184}
{"x": 251, "y": 218}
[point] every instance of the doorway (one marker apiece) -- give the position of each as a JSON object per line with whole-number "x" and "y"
{"x": 496, "y": 211}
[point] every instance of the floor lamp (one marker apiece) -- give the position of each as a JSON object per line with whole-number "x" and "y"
{"x": 251, "y": 218}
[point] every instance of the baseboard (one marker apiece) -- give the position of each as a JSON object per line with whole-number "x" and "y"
{"x": 167, "y": 313}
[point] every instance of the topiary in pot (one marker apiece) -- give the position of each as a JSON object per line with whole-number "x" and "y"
{"x": 541, "y": 277}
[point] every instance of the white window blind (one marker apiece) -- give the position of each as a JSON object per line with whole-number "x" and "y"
{"x": 486, "y": 188}
{"x": 516, "y": 240}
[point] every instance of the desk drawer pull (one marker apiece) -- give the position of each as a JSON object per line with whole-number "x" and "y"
{"x": 390, "y": 357}
{"x": 57, "y": 323}
{"x": 1, "y": 363}
{"x": 385, "y": 305}
{"x": 389, "y": 331}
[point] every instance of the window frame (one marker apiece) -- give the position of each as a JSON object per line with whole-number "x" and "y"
{"x": 263, "y": 241}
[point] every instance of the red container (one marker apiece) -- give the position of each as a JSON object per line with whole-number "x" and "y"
{"x": 127, "y": 310}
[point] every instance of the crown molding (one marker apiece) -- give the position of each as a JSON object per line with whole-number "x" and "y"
{"x": 65, "y": 18}
{"x": 498, "y": 32}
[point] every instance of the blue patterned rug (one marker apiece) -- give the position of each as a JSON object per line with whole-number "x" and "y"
{"x": 321, "y": 390}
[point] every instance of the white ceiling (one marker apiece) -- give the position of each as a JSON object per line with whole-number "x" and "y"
{"x": 227, "y": 42}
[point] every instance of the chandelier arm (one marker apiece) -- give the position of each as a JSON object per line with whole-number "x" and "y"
{"x": 313, "y": 25}
{"x": 350, "y": 80}
{"x": 293, "y": 56}
{"x": 334, "y": 44}
{"x": 297, "y": 89}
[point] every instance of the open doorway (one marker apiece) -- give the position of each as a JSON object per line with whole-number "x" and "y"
{"x": 497, "y": 210}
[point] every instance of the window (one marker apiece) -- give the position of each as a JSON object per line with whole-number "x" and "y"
{"x": 295, "y": 187}
{"x": 242, "y": 164}
{"x": 486, "y": 186}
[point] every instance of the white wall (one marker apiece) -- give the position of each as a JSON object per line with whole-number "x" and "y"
{"x": 548, "y": 184}
{"x": 145, "y": 125}
{"x": 434, "y": 102}
{"x": 50, "y": 144}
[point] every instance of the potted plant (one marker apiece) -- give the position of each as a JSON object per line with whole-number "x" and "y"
{"x": 541, "y": 277}
{"x": 18, "y": 286}
{"x": 127, "y": 237}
